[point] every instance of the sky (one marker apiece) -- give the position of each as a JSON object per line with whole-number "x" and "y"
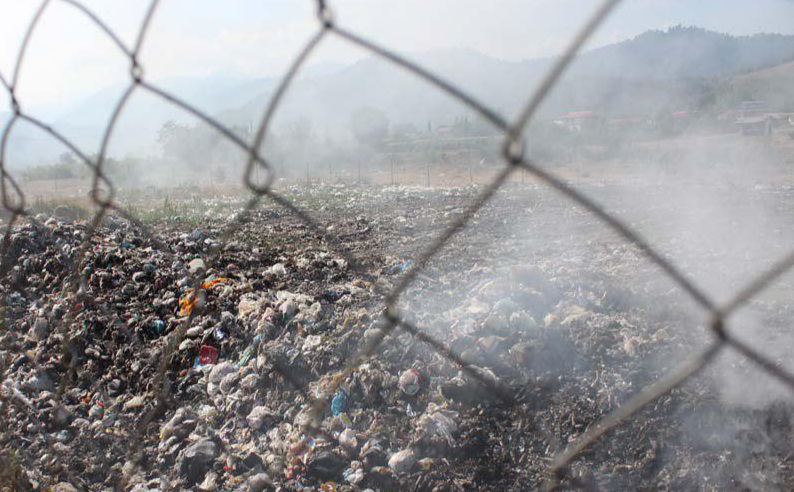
{"x": 69, "y": 57}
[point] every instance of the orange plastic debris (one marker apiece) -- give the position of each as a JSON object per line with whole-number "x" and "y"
{"x": 189, "y": 302}
{"x": 209, "y": 283}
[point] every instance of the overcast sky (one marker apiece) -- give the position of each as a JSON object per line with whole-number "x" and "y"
{"x": 69, "y": 57}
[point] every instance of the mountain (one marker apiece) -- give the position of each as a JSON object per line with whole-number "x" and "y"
{"x": 329, "y": 101}
{"x": 681, "y": 68}
{"x": 686, "y": 52}
{"x": 673, "y": 69}
{"x": 84, "y": 122}
{"x": 774, "y": 85}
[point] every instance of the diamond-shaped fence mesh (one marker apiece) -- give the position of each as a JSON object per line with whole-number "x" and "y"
{"x": 125, "y": 463}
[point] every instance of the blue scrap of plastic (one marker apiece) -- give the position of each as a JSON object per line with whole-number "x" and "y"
{"x": 338, "y": 402}
{"x": 401, "y": 266}
{"x": 159, "y": 326}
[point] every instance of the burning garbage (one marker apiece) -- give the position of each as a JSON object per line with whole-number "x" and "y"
{"x": 253, "y": 380}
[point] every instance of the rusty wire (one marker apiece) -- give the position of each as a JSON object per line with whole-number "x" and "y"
{"x": 103, "y": 197}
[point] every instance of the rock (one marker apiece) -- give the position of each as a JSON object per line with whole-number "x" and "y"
{"x": 372, "y": 455}
{"x": 355, "y": 474}
{"x": 196, "y": 265}
{"x": 466, "y": 390}
{"x": 306, "y": 418}
{"x": 247, "y": 306}
{"x": 129, "y": 289}
{"x": 115, "y": 387}
{"x": 402, "y": 461}
{"x": 326, "y": 465}
{"x": 134, "y": 403}
{"x": 180, "y": 425}
{"x": 382, "y": 478}
{"x": 96, "y": 412}
{"x": 220, "y": 371}
{"x": 209, "y": 484}
{"x": 64, "y": 487}
{"x": 278, "y": 269}
{"x": 41, "y": 382}
{"x": 312, "y": 342}
{"x": 229, "y": 382}
{"x": 437, "y": 421}
{"x": 40, "y": 330}
{"x": 372, "y": 335}
{"x": 275, "y": 464}
{"x": 193, "y": 332}
{"x": 505, "y": 307}
{"x": 289, "y": 308}
{"x": 61, "y": 416}
{"x": 252, "y": 461}
{"x": 523, "y": 322}
{"x": 259, "y": 483}
{"x": 348, "y": 441}
{"x": 258, "y": 416}
{"x": 410, "y": 382}
{"x": 197, "y": 460}
{"x": 187, "y": 344}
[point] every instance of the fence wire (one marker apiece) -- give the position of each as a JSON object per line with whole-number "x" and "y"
{"x": 103, "y": 196}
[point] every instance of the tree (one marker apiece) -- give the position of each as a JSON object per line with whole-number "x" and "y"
{"x": 370, "y": 125}
{"x": 301, "y": 130}
{"x": 182, "y": 143}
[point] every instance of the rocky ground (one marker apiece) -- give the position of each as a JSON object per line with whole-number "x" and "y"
{"x": 128, "y": 379}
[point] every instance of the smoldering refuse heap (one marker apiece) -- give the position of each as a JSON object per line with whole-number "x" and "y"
{"x": 257, "y": 395}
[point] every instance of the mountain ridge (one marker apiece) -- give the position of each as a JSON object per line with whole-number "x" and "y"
{"x": 655, "y": 69}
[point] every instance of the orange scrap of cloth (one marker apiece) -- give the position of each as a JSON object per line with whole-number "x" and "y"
{"x": 188, "y": 303}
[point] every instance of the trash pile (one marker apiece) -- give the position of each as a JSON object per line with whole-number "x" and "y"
{"x": 201, "y": 362}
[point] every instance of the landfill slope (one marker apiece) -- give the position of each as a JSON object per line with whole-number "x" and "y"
{"x": 118, "y": 373}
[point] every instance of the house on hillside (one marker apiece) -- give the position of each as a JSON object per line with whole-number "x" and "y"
{"x": 754, "y": 118}
{"x": 579, "y": 121}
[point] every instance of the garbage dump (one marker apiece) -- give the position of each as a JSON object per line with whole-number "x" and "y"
{"x": 120, "y": 370}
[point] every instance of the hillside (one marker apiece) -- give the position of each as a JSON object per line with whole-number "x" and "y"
{"x": 686, "y": 52}
{"x": 774, "y": 85}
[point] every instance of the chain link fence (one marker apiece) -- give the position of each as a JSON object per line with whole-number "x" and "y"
{"x": 103, "y": 196}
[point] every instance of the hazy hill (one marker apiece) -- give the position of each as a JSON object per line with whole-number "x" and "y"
{"x": 774, "y": 85}
{"x": 658, "y": 69}
{"x": 686, "y": 52}
{"x": 672, "y": 69}
{"x": 84, "y": 121}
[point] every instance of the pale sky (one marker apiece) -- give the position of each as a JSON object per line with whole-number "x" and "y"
{"x": 69, "y": 57}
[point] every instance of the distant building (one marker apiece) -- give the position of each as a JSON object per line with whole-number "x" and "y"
{"x": 754, "y": 118}
{"x": 579, "y": 121}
